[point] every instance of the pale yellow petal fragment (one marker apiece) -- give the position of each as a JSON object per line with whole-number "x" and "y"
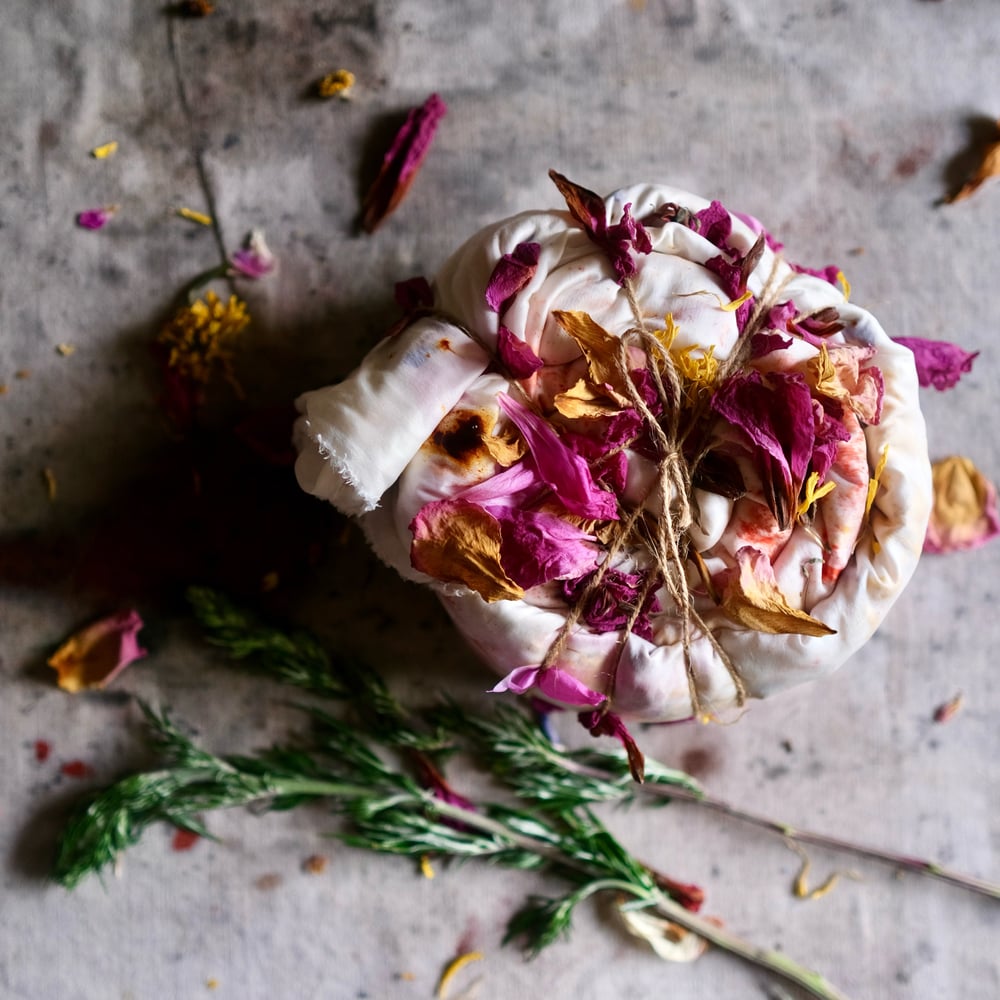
{"x": 812, "y": 494}
{"x": 752, "y": 599}
{"x": 873, "y": 483}
{"x": 51, "y": 486}
{"x": 104, "y": 151}
{"x": 583, "y": 400}
{"x": 453, "y": 968}
{"x": 426, "y": 868}
{"x": 599, "y": 347}
{"x": 65, "y": 349}
{"x": 844, "y": 284}
{"x": 800, "y": 887}
{"x": 731, "y": 307}
{"x": 339, "y": 83}
{"x": 670, "y": 941}
{"x": 504, "y": 450}
{"x": 192, "y": 216}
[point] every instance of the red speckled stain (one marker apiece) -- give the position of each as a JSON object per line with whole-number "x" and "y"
{"x": 76, "y": 769}
{"x": 42, "y": 750}
{"x": 757, "y": 526}
{"x": 184, "y": 840}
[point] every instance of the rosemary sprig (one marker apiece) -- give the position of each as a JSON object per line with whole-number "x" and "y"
{"x": 389, "y": 813}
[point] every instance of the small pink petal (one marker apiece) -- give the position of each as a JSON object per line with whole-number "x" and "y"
{"x": 511, "y": 273}
{"x": 939, "y": 363}
{"x": 97, "y": 654}
{"x": 517, "y": 357}
{"x": 94, "y": 218}
{"x": 609, "y": 724}
{"x": 255, "y": 259}
{"x": 565, "y": 472}
{"x": 553, "y": 683}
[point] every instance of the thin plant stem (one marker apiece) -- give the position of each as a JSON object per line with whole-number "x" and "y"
{"x": 774, "y": 962}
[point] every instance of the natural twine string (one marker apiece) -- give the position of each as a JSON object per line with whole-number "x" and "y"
{"x": 667, "y": 541}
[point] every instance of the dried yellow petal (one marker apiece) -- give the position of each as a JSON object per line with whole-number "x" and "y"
{"x": 426, "y": 868}
{"x": 599, "y": 347}
{"x": 336, "y": 84}
{"x": 965, "y": 507}
{"x": 193, "y": 216}
{"x": 583, "y": 400}
{"x": 51, "y": 486}
{"x": 731, "y": 307}
{"x": 453, "y": 968}
{"x": 812, "y": 494}
{"x": 104, "y": 151}
{"x": 988, "y": 167}
{"x": 844, "y": 284}
{"x": 873, "y": 483}
{"x": 65, "y": 349}
{"x": 752, "y": 598}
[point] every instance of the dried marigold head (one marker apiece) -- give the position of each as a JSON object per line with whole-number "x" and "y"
{"x": 198, "y": 338}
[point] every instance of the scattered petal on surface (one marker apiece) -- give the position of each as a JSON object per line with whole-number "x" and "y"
{"x": 255, "y": 259}
{"x": 96, "y": 655}
{"x": 194, "y": 216}
{"x": 339, "y": 83}
{"x": 452, "y": 969}
{"x": 670, "y": 941}
{"x": 95, "y": 218}
{"x": 988, "y": 167}
{"x": 401, "y": 163}
{"x": 939, "y": 363}
{"x": 965, "y": 507}
{"x": 105, "y": 150}
{"x": 65, "y": 350}
{"x": 947, "y": 711}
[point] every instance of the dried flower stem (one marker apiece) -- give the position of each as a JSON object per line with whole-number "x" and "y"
{"x": 919, "y": 866}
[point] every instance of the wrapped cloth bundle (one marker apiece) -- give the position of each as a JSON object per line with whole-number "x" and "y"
{"x": 649, "y": 467}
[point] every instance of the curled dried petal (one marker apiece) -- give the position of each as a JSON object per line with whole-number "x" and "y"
{"x": 965, "y": 507}
{"x": 97, "y": 654}
{"x": 939, "y": 363}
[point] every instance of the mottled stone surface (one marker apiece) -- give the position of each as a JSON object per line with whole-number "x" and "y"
{"x": 841, "y": 124}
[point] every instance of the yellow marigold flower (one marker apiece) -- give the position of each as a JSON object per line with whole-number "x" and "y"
{"x": 199, "y": 337}
{"x": 702, "y": 370}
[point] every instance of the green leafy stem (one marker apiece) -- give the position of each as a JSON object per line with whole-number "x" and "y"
{"x": 388, "y": 806}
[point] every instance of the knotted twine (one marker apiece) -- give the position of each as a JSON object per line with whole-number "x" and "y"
{"x": 667, "y": 541}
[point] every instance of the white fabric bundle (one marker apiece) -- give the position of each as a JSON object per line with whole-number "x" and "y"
{"x": 409, "y": 428}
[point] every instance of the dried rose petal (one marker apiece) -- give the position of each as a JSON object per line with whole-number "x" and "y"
{"x": 552, "y": 683}
{"x": 989, "y": 166}
{"x": 609, "y": 724}
{"x": 965, "y": 507}
{"x": 564, "y": 471}
{"x": 95, "y": 218}
{"x": 96, "y": 655}
{"x": 519, "y": 359}
{"x": 401, "y": 163}
{"x": 617, "y": 241}
{"x": 255, "y": 259}
{"x": 512, "y": 272}
{"x": 939, "y": 363}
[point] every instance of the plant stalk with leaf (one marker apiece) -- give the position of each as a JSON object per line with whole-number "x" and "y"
{"x": 387, "y": 809}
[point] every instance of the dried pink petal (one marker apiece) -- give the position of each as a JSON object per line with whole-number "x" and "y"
{"x": 95, "y": 218}
{"x": 97, "y": 654}
{"x": 537, "y": 547}
{"x": 401, "y": 163}
{"x": 517, "y": 357}
{"x": 512, "y": 272}
{"x": 551, "y": 683}
{"x": 565, "y": 472}
{"x": 965, "y": 514}
{"x": 254, "y": 260}
{"x": 939, "y": 363}
{"x": 775, "y": 412}
{"x": 714, "y": 223}
{"x": 610, "y": 606}
{"x": 609, "y": 724}
{"x": 618, "y": 240}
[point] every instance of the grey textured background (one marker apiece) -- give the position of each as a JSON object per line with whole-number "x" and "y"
{"x": 839, "y": 123}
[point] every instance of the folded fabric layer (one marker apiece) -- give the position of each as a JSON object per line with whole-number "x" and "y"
{"x": 642, "y": 449}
